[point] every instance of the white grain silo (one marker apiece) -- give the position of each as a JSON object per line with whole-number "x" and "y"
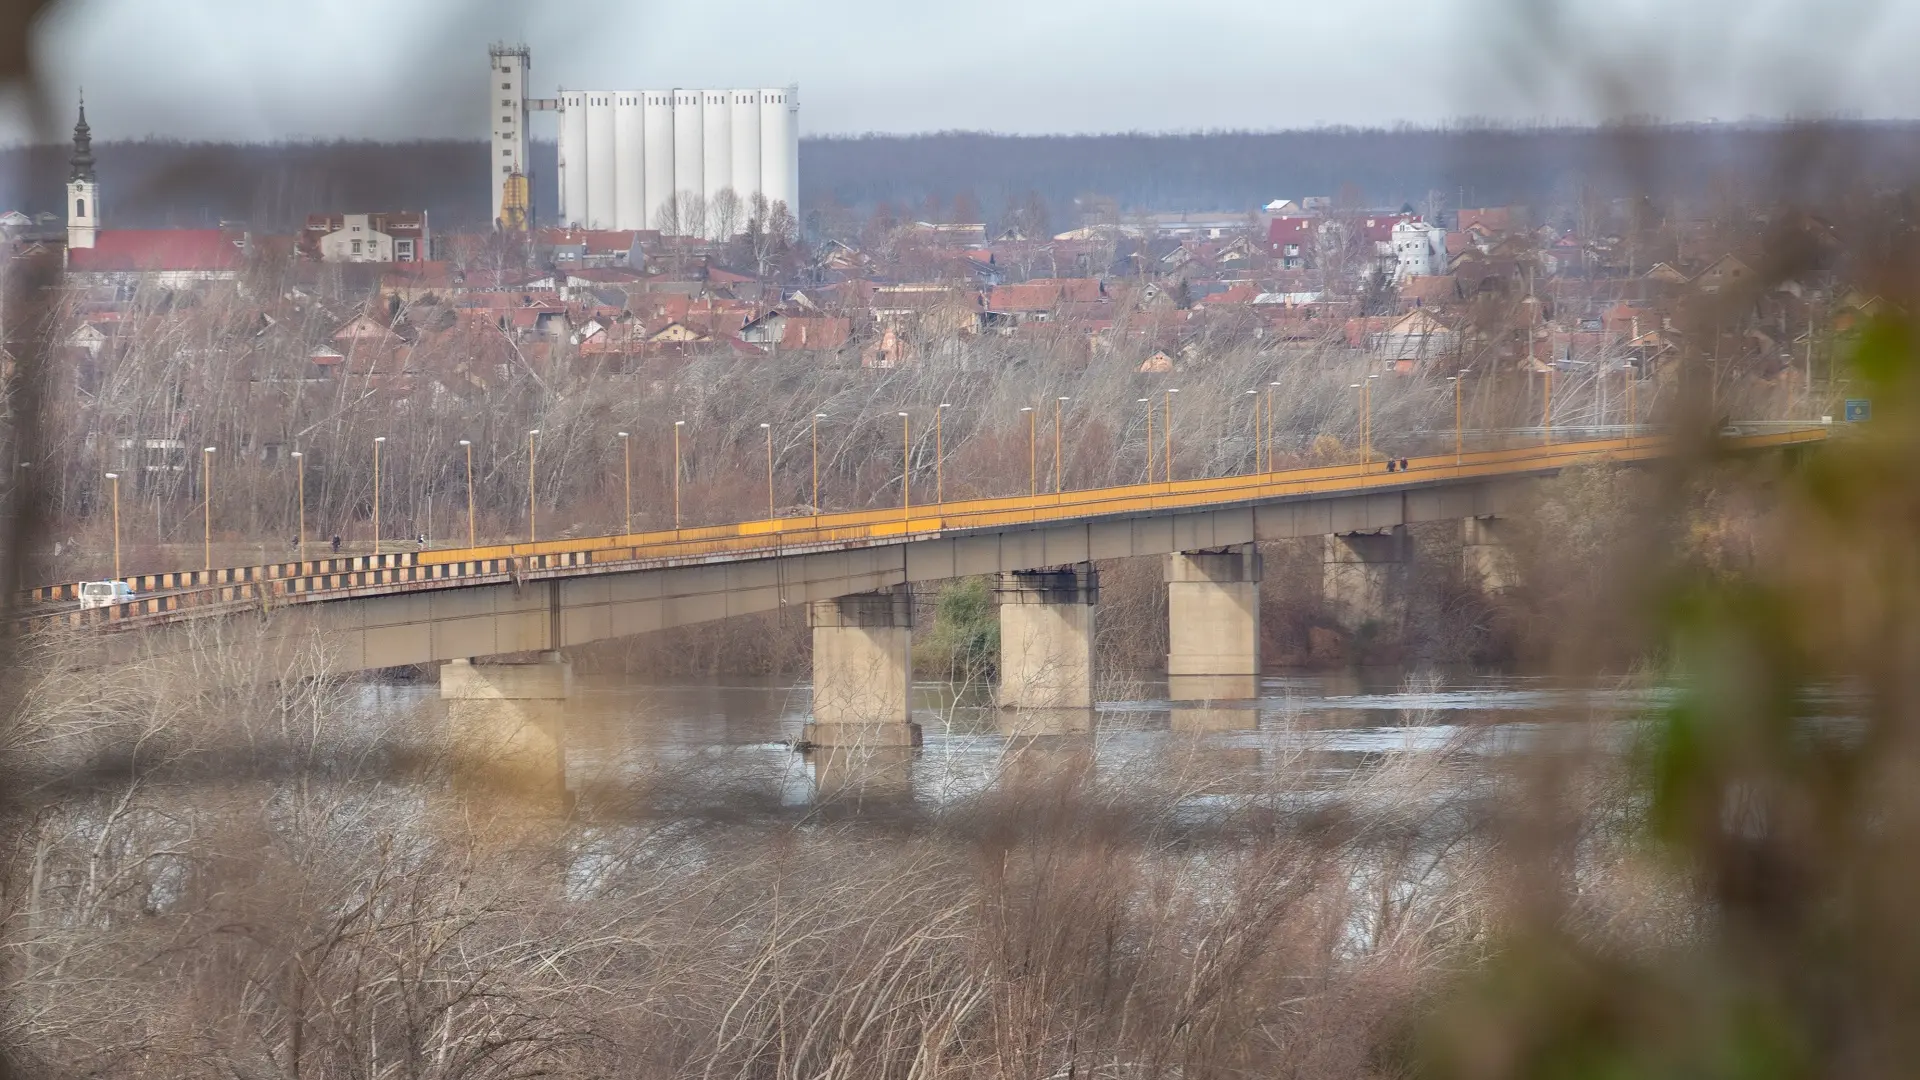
{"x": 779, "y": 149}
{"x": 689, "y": 156}
{"x": 573, "y": 157}
{"x": 717, "y": 164}
{"x": 746, "y": 145}
{"x": 630, "y": 157}
{"x": 659, "y": 155}
{"x": 602, "y": 165}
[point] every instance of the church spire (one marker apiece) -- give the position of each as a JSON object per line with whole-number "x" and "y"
{"x": 82, "y": 159}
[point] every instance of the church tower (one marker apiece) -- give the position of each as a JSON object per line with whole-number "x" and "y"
{"x": 83, "y": 191}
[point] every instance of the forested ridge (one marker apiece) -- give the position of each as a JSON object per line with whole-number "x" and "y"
{"x": 153, "y": 183}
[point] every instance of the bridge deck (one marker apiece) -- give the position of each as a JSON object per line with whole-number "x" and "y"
{"x": 207, "y": 593}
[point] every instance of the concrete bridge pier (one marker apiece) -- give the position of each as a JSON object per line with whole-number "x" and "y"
{"x": 1213, "y": 624}
{"x": 508, "y": 723}
{"x": 862, "y": 777}
{"x": 1046, "y": 648}
{"x": 863, "y": 671}
{"x": 1486, "y": 557}
{"x": 1364, "y": 575}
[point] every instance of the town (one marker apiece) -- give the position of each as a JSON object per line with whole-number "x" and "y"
{"x": 609, "y": 584}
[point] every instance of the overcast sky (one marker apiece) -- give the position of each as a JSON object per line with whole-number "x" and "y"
{"x": 276, "y": 69}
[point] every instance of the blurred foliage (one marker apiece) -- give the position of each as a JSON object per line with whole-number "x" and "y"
{"x": 965, "y": 641}
{"x": 1778, "y": 789}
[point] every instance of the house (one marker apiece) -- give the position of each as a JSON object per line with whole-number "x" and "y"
{"x": 1292, "y": 240}
{"x": 1412, "y": 341}
{"x": 400, "y": 237}
{"x": 1723, "y": 273}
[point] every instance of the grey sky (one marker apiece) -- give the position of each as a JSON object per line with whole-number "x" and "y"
{"x": 271, "y": 69}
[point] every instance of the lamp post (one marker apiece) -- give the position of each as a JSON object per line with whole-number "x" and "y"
{"x": 1255, "y": 395}
{"x": 1033, "y": 459}
{"x": 1270, "y": 388}
{"x": 1362, "y": 418}
{"x": 1456, "y": 380}
{"x": 1366, "y": 397}
{"x": 815, "y": 438}
{"x": 300, "y": 494}
{"x": 533, "y": 518}
{"x": 206, "y": 505}
{"x": 1058, "y": 404}
{"x": 626, "y": 476}
{"x": 906, "y": 467}
{"x": 467, "y": 444}
{"x": 1148, "y": 402}
{"x": 1633, "y": 390}
{"x": 939, "y": 454}
{"x": 677, "y": 425}
{"x": 1546, "y": 410}
{"x": 768, "y": 428}
{"x": 115, "y": 477}
{"x": 376, "y": 492}
{"x": 1167, "y": 433}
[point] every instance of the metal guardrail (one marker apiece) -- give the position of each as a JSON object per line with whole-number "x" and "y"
{"x": 245, "y": 587}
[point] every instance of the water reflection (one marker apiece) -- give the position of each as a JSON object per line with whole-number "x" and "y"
{"x": 721, "y": 747}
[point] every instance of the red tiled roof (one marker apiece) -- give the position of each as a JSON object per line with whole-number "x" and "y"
{"x": 143, "y": 250}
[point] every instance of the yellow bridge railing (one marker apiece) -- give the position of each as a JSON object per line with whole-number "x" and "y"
{"x": 451, "y": 567}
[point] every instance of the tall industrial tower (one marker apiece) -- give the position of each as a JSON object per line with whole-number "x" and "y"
{"x": 509, "y": 166}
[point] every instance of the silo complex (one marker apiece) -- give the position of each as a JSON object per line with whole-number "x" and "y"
{"x": 627, "y": 156}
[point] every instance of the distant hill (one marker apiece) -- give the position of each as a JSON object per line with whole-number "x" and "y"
{"x": 154, "y": 183}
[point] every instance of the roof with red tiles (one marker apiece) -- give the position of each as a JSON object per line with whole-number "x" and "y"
{"x": 152, "y": 250}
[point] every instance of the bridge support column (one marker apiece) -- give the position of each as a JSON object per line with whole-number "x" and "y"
{"x": 1485, "y": 556}
{"x": 1046, "y": 644}
{"x": 1213, "y": 624}
{"x": 863, "y": 670}
{"x": 508, "y": 722}
{"x": 1364, "y": 575}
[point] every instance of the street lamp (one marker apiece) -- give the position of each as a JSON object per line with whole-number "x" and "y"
{"x": 626, "y": 474}
{"x": 1459, "y": 430}
{"x": 1148, "y": 402}
{"x": 206, "y": 504}
{"x": 906, "y": 467}
{"x": 939, "y": 455}
{"x": 768, "y": 428}
{"x": 1255, "y": 395}
{"x": 300, "y": 493}
{"x": 376, "y": 492}
{"x": 115, "y": 477}
{"x": 1033, "y": 458}
{"x": 533, "y": 518}
{"x": 1546, "y": 409}
{"x": 1270, "y": 389}
{"x": 1058, "y": 403}
{"x": 1366, "y": 397}
{"x": 815, "y": 438}
{"x": 677, "y": 425}
{"x": 469, "y": 446}
{"x": 1361, "y": 412}
{"x": 1167, "y": 431}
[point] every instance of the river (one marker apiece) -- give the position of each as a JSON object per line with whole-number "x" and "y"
{"x": 722, "y": 746}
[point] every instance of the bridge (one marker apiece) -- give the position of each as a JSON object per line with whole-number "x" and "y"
{"x": 854, "y": 573}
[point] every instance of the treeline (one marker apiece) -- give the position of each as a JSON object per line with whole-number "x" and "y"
{"x": 155, "y": 183}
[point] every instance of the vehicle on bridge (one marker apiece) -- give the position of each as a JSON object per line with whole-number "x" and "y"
{"x": 99, "y": 594}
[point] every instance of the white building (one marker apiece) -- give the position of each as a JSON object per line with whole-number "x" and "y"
{"x": 664, "y": 159}
{"x": 641, "y": 159}
{"x": 1419, "y": 250}
{"x": 507, "y": 104}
